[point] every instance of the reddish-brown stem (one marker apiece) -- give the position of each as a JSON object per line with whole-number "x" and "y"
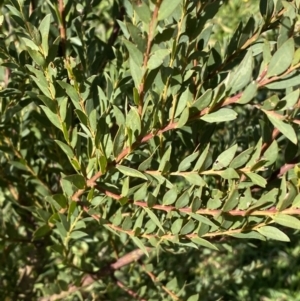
{"x": 171, "y": 237}
{"x": 62, "y": 25}
{"x": 129, "y": 291}
{"x": 152, "y": 26}
{"x": 269, "y": 212}
{"x": 154, "y": 279}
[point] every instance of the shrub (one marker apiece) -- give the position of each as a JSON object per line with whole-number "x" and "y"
{"x": 133, "y": 134}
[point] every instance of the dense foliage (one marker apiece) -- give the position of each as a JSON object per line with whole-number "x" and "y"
{"x": 142, "y": 139}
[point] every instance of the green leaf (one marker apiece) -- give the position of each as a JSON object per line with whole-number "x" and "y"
{"x": 19, "y": 165}
{"x": 37, "y": 57}
{"x": 271, "y": 153}
{"x": 82, "y": 117}
{"x": 165, "y": 159}
{"x": 135, "y": 54}
{"x": 146, "y": 164}
{"x": 256, "y": 154}
{"x": 273, "y": 233}
{"x": 290, "y": 100}
{"x": 202, "y": 158}
{"x": 67, "y": 149}
{"x": 204, "y": 243}
{"x": 133, "y": 121}
{"x": 124, "y": 29}
{"x": 232, "y": 201}
{"x": 186, "y": 162}
{"x": 127, "y": 171}
{"x": 44, "y": 29}
{"x": 242, "y": 158}
{"x": 266, "y": 199}
{"x": 203, "y": 101}
{"x": 194, "y": 179}
{"x": 157, "y": 58}
{"x": 176, "y": 226}
{"x": 284, "y": 83}
{"x": 243, "y": 74}
{"x": 42, "y": 84}
{"x": 127, "y": 223}
{"x": 258, "y": 165}
{"x": 167, "y": 8}
{"x": 30, "y": 44}
{"x": 154, "y": 218}
{"x": 120, "y": 118}
{"x": 65, "y": 223}
{"x": 77, "y": 180}
{"x": 61, "y": 200}
{"x": 143, "y": 12}
{"x": 229, "y": 173}
{"x": 136, "y": 72}
{"x": 286, "y": 220}
{"x": 67, "y": 187}
{"x": 188, "y": 227}
{"x": 72, "y": 93}
{"x": 93, "y": 120}
{"x": 151, "y": 200}
{"x": 282, "y": 58}
{"x": 182, "y": 102}
{"x": 140, "y": 244}
{"x": 72, "y": 211}
{"x": 257, "y": 179}
{"x": 34, "y": 33}
{"x": 78, "y": 235}
{"x": 296, "y": 202}
{"x": 285, "y": 128}
{"x": 249, "y": 93}
{"x": 183, "y": 200}
{"x": 224, "y": 159}
{"x": 41, "y": 231}
{"x": 184, "y": 117}
{"x": 15, "y": 12}
{"x": 221, "y": 115}
{"x": 170, "y": 196}
{"x": 248, "y": 235}
{"x": 52, "y": 117}
{"x": 266, "y": 8}
{"x": 201, "y": 219}
{"x": 119, "y": 141}
{"x": 193, "y": 298}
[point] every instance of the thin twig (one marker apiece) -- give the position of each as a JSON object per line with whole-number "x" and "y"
{"x": 155, "y": 281}
{"x": 62, "y": 26}
{"x": 152, "y": 27}
{"x": 129, "y": 291}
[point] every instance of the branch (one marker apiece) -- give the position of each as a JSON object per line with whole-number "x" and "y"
{"x": 62, "y": 26}
{"x": 156, "y": 281}
{"x": 129, "y": 291}
{"x": 152, "y": 26}
{"x": 173, "y": 125}
{"x": 212, "y": 212}
{"x": 175, "y": 237}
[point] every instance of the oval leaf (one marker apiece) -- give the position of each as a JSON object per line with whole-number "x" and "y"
{"x": 220, "y": 116}
{"x": 273, "y": 233}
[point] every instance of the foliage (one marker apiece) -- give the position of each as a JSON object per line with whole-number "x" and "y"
{"x": 135, "y": 137}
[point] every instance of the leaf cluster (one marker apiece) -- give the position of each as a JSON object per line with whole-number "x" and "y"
{"x": 142, "y": 132}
